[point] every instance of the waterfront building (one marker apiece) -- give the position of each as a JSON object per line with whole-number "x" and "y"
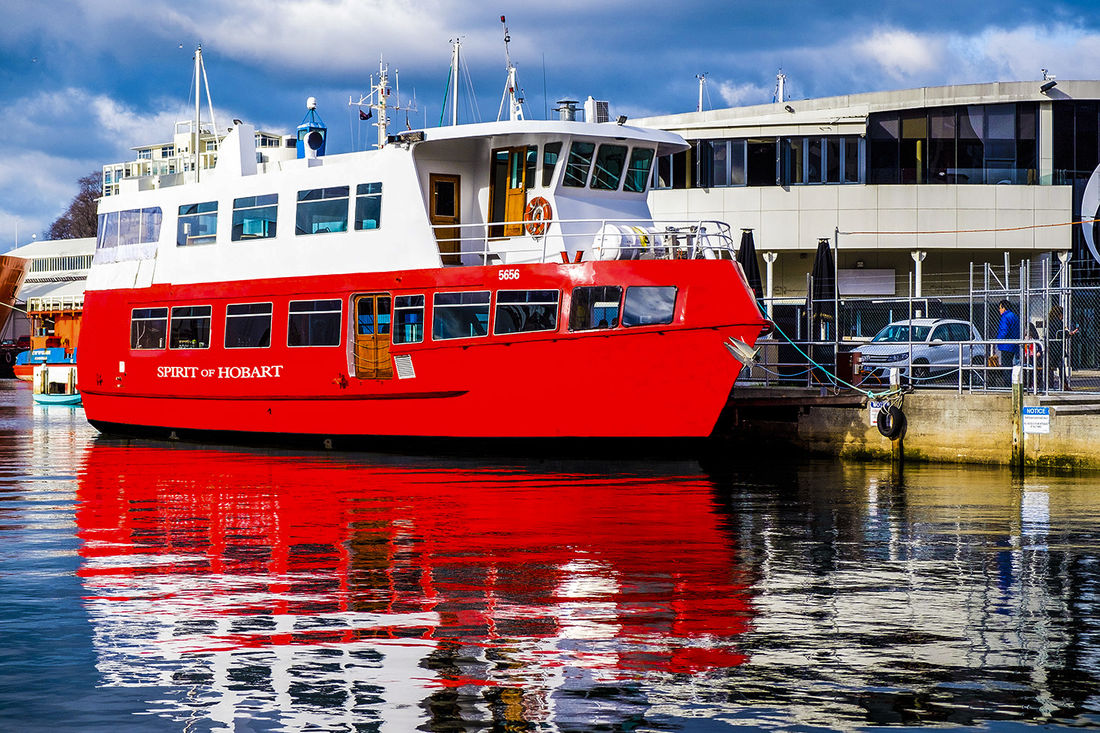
{"x": 170, "y": 161}
{"x": 903, "y": 182}
{"x": 50, "y": 301}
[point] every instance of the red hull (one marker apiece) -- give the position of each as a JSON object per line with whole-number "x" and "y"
{"x": 647, "y": 381}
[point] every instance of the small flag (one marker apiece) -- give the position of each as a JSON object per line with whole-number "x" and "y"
{"x": 365, "y": 115}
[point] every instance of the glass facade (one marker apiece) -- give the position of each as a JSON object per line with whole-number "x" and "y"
{"x": 979, "y": 143}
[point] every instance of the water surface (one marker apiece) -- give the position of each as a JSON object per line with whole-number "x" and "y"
{"x": 155, "y": 586}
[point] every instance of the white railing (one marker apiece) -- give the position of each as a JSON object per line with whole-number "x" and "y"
{"x": 69, "y": 302}
{"x": 576, "y": 240}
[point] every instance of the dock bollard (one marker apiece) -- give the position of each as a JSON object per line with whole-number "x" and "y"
{"x": 1018, "y": 416}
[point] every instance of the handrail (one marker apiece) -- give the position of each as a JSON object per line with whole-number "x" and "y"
{"x": 484, "y": 243}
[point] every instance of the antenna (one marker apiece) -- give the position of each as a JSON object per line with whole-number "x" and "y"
{"x": 702, "y": 85}
{"x": 780, "y": 82}
{"x": 515, "y": 103}
{"x": 377, "y": 101}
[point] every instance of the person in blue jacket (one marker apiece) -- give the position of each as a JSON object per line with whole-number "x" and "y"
{"x": 1008, "y": 328}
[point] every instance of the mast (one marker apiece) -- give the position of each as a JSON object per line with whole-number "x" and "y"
{"x": 198, "y": 97}
{"x": 200, "y": 81}
{"x": 456, "y": 45}
{"x": 515, "y": 104}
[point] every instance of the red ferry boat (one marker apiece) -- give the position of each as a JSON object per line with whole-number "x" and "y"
{"x": 494, "y": 280}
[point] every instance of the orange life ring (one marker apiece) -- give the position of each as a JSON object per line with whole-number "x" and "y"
{"x": 537, "y": 215}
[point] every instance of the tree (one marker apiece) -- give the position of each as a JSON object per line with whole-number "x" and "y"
{"x": 80, "y": 219}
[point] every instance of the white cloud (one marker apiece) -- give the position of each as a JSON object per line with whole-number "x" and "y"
{"x": 58, "y": 136}
{"x": 736, "y": 95}
{"x": 902, "y": 54}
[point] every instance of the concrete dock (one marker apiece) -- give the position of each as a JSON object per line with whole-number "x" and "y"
{"x": 942, "y": 426}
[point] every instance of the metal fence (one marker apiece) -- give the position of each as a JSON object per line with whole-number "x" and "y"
{"x": 1057, "y": 341}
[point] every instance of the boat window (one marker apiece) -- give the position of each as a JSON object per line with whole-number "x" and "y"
{"x": 532, "y": 162}
{"x": 129, "y": 226}
{"x": 595, "y": 307}
{"x": 198, "y": 224}
{"x": 190, "y": 328}
{"x": 108, "y": 231}
{"x": 648, "y": 305}
{"x": 254, "y": 217}
{"x": 637, "y": 173}
{"x": 148, "y": 328}
{"x": 580, "y": 160}
{"x": 609, "y": 167}
{"x": 460, "y": 315}
{"x": 248, "y": 326}
{"x": 150, "y": 225}
{"x": 322, "y": 210}
{"x": 521, "y": 311}
{"x": 314, "y": 323}
{"x": 550, "y": 154}
{"x": 408, "y": 319}
{"x": 118, "y": 229}
{"x": 368, "y": 206}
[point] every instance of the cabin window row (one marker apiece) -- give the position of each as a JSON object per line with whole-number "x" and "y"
{"x": 465, "y": 314}
{"x": 133, "y": 226}
{"x": 602, "y": 167}
{"x": 247, "y": 325}
{"x": 317, "y": 211}
{"x": 455, "y": 315}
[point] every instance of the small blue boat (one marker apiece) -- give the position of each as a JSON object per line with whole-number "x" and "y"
{"x": 55, "y": 384}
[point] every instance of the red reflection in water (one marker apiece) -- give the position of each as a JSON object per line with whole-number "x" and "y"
{"x": 212, "y": 551}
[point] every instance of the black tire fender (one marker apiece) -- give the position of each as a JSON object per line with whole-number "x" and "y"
{"x": 891, "y": 422}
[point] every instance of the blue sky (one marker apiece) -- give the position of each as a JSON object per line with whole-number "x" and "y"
{"x": 83, "y": 81}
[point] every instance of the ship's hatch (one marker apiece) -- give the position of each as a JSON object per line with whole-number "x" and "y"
{"x": 372, "y": 336}
{"x": 512, "y": 174}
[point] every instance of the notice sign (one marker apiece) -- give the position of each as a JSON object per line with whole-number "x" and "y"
{"x": 1036, "y": 420}
{"x": 873, "y": 408}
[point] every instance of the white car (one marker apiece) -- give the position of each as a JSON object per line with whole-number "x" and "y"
{"x": 933, "y": 346}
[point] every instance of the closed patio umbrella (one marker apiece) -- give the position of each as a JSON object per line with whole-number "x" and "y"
{"x": 746, "y": 255}
{"x": 822, "y": 305}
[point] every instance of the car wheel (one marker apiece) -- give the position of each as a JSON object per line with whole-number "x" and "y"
{"x": 920, "y": 370}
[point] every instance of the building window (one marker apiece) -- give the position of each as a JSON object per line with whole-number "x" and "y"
{"x": 460, "y": 315}
{"x": 190, "y": 327}
{"x": 255, "y": 217}
{"x": 198, "y": 224}
{"x": 522, "y": 311}
{"x": 314, "y": 323}
{"x": 148, "y": 328}
{"x": 648, "y": 305}
{"x": 578, "y": 164}
{"x": 594, "y": 308}
{"x": 322, "y": 210}
{"x": 248, "y": 326}
{"x": 368, "y": 206}
{"x": 168, "y": 151}
{"x": 408, "y": 319}
{"x": 145, "y": 154}
{"x": 993, "y": 143}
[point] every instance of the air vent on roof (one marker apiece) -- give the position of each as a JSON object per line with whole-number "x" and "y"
{"x": 595, "y": 110}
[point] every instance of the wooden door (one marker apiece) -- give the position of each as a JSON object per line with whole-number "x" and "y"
{"x": 515, "y": 194}
{"x": 444, "y": 215}
{"x": 373, "y": 317}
